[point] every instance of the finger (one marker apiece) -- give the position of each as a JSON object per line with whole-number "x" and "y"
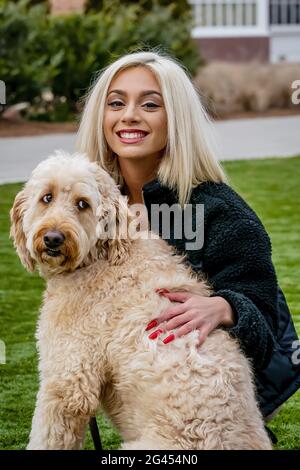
{"x": 178, "y": 321}
{"x": 177, "y": 296}
{"x": 203, "y": 334}
{"x": 185, "y": 329}
{"x": 171, "y": 312}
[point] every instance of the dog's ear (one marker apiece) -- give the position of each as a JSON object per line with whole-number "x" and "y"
{"x": 114, "y": 218}
{"x": 17, "y": 232}
{"x": 115, "y": 242}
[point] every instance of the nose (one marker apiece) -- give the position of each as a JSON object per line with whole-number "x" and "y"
{"x": 54, "y": 239}
{"x": 130, "y": 114}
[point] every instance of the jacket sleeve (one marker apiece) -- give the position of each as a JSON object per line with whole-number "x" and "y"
{"x": 237, "y": 260}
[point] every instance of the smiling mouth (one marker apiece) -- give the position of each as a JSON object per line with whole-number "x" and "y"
{"x": 131, "y": 137}
{"x": 53, "y": 253}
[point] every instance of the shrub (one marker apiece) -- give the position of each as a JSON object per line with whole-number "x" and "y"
{"x": 61, "y": 54}
{"x": 180, "y": 7}
{"x": 228, "y": 88}
{"x": 24, "y": 66}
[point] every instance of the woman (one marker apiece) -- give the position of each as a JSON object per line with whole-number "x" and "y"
{"x": 144, "y": 123}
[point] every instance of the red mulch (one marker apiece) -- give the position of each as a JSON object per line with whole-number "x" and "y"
{"x": 28, "y": 128}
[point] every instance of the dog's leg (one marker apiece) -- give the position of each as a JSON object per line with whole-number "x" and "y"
{"x": 62, "y": 412}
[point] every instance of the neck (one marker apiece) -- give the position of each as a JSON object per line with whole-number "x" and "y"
{"x": 136, "y": 173}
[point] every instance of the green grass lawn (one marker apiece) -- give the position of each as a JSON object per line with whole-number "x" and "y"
{"x": 271, "y": 187}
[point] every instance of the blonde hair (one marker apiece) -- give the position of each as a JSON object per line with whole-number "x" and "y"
{"x": 189, "y": 157}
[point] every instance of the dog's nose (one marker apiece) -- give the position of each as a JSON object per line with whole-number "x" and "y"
{"x": 54, "y": 238}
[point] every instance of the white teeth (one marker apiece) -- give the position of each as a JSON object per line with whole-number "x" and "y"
{"x": 131, "y": 135}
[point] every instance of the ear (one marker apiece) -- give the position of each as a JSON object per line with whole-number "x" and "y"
{"x": 118, "y": 246}
{"x": 17, "y": 232}
{"x": 114, "y": 219}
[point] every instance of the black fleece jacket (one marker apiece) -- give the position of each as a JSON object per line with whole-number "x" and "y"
{"x": 236, "y": 258}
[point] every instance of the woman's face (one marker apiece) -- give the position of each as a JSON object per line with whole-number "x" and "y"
{"x": 135, "y": 119}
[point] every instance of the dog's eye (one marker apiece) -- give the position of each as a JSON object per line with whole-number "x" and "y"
{"x": 82, "y": 204}
{"x": 47, "y": 198}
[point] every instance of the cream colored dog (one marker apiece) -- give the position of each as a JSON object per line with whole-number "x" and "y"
{"x": 93, "y": 348}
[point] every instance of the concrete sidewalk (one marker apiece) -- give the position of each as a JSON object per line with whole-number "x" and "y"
{"x": 237, "y": 140}
{"x": 20, "y": 155}
{"x": 259, "y": 138}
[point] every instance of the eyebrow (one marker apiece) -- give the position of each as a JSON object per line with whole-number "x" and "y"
{"x": 144, "y": 93}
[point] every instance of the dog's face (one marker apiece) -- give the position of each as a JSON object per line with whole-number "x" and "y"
{"x": 56, "y": 218}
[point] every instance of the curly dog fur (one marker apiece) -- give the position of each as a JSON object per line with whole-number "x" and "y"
{"x": 93, "y": 348}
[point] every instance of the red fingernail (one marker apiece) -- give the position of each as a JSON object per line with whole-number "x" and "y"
{"x": 151, "y": 325}
{"x": 155, "y": 334}
{"x": 168, "y": 339}
{"x": 162, "y": 291}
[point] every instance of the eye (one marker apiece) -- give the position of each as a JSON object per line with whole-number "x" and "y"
{"x": 47, "y": 198}
{"x": 150, "y": 105}
{"x": 82, "y": 204}
{"x": 115, "y": 104}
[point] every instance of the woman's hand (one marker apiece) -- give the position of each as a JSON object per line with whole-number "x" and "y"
{"x": 193, "y": 312}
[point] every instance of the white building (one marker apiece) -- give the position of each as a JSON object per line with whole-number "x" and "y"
{"x": 243, "y": 30}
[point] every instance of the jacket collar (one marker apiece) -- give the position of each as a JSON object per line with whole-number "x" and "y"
{"x": 156, "y": 193}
